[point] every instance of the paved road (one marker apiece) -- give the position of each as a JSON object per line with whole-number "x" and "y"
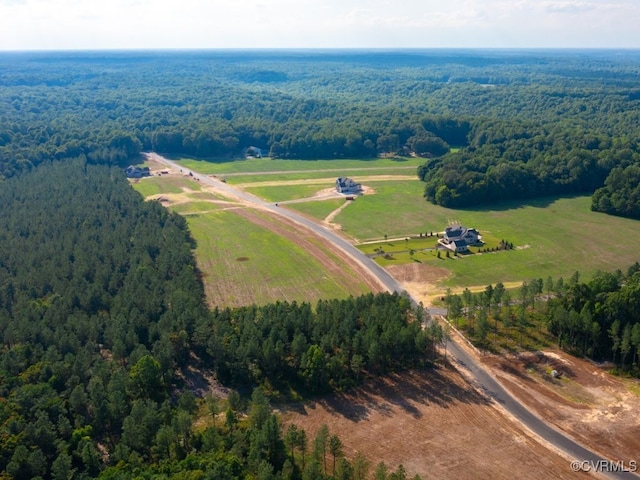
{"x": 484, "y": 381}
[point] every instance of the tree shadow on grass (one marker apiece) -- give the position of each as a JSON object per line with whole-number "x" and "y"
{"x": 539, "y": 202}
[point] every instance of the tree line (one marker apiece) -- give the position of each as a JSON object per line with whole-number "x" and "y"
{"x": 333, "y": 346}
{"x": 598, "y": 318}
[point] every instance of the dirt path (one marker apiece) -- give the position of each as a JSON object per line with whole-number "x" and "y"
{"x": 329, "y": 218}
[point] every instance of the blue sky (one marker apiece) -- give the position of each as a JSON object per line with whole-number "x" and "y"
{"x": 118, "y": 24}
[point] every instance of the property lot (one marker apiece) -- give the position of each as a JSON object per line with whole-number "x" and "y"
{"x": 433, "y": 422}
{"x": 598, "y": 409}
{"x": 247, "y": 256}
{"x": 435, "y": 425}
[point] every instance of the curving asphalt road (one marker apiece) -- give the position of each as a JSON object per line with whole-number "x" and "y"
{"x": 484, "y": 381}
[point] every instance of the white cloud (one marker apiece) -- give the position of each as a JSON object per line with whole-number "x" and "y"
{"x": 28, "y": 24}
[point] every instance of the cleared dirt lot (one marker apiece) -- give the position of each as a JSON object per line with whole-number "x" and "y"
{"x": 596, "y": 408}
{"x": 434, "y": 424}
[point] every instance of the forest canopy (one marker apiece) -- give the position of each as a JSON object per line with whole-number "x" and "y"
{"x": 521, "y": 123}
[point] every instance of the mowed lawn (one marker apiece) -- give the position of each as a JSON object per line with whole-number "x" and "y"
{"x": 318, "y": 209}
{"x": 284, "y": 193}
{"x": 553, "y": 236}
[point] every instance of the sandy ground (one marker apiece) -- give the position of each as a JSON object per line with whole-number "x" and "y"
{"x": 435, "y": 425}
{"x": 596, "y": 408}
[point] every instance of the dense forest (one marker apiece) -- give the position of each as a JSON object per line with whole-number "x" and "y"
{"x": 103, "y": 324}
{"x": 599, "y": 318}
{"x": 494, "y": 125}
{"x": 330, "y": 347}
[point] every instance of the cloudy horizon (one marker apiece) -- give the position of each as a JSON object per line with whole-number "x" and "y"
{"x": 246, "y": 24}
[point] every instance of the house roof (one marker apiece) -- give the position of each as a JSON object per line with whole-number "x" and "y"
{"x": 346, "y": 181}
{"x": 457, "y": 233}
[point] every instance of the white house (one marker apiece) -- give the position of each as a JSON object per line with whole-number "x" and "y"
{"x": 458, "y": 238}
{"x": 346, "y": 185}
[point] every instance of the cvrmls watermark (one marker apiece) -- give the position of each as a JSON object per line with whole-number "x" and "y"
{"x": 604, "y": 466}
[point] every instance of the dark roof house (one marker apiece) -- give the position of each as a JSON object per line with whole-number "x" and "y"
{"x": 346, "y": 185}
{"x": 458, "y": 238}
{"x": 136, "y": 172}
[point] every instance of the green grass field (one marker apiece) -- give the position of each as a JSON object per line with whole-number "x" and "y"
{"x": 261, "y": 268}
{"x": 396, "y": 209}
{"x": 167, "y": 184}
{"x": 195, "y": 207}
{"x": 553, "y": 236}
{"x": 269, "y": 165}
{"x": 285, "y": 192}
{"x": 319, "y": 209}
{"x": 329, "y": 175}
{"x": 242, "y": 263}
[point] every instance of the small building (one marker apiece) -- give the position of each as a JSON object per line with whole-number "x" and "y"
{"x": 458, "y": 238}
{"x": 346, "y": 185}
{"x": 136, "y": 172}
{"x": 253, "y": 152}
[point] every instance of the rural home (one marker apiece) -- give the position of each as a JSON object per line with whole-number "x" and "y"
{"x": 346, "y": 185}
{"x": 458, "y": 238}
{"x": 136, "y": 172}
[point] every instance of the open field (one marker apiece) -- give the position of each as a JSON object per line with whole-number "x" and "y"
{"x": 553, "y": 236}
{"x": 165, "y": 184}
{"x": 281, "y": 194}
{"x": 435, "y": 425}
{"x": 318, "y": 209}
{"x": 319, "y": 175}
{"x": 271, "y": 166}
{"x": 275, "y": 260}
{"x": 241, "y": 273}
